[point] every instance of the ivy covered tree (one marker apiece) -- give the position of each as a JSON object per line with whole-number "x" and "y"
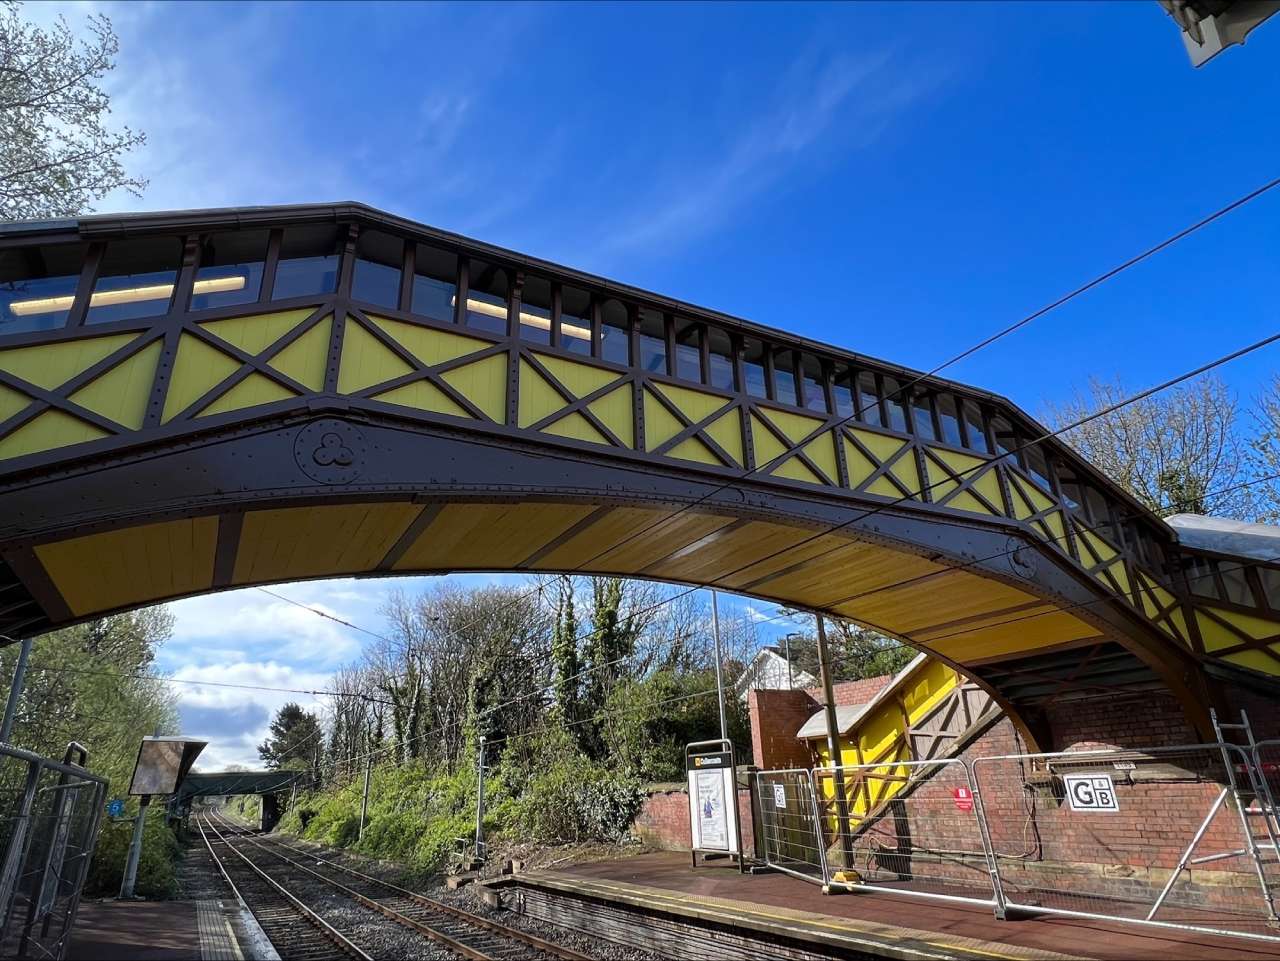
{"x": 58, "y": 153}
{"x": 564, "y": 655}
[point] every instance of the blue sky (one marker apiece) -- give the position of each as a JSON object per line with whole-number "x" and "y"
{"x": 897, "y": 179}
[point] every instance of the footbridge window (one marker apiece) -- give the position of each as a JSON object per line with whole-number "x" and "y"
{"x": 230, "y": 269}
{"x": 135, "y": 279}
{"x": 535, "y": 310}
{"x": 38, "y": 286}
{"x": 653, "y": 341}
{"x": 309, "y": 259}
{"x": 435, "y": 284}
{"x": 615, "y": 333}
{"x": 376, "y": 278}
{"x": 487, "y": 292}
{"x": 575, "y": 323}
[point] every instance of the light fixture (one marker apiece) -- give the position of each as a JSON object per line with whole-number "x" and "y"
{"x": 125, "y": 295}
{"x": 529, "y": 320}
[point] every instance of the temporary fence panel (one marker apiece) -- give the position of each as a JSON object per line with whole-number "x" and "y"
{"x": 1158, "y": 836}
{"x": 789, "y": 832}
{"x": 910, "y": 827}
{"x": 51, "y": 814}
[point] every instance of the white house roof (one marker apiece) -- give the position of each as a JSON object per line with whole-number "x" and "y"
{"x": 1259, "y": 541}
{"x": 768, "y": 671}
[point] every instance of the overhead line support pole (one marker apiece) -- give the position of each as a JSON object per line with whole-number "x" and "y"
{"x": 833, "y": 744}
{"x": 15, "y": 691}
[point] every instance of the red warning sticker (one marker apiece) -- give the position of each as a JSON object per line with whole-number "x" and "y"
{"x": 963, "y": 798}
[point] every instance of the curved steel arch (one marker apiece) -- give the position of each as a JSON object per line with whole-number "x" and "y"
{"x": 196, "y": 450}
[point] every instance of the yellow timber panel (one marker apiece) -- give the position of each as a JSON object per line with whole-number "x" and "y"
{"x": 694, "y": 404}
{"x": 366, "y": 360}
{"x": 293, "y": 542}
{"x": 1021, "y": 633}
{"x": 822, "y": 451}
{"x": 859, "y": 467}
{"x": 665, "y": 537}
{"x": 576, "y": 427}
{"x": 726, "y": 430}
{"x": 1255, "y": 627}
{"x": 423, "y": 395}
{"x": 484, "y": 383}
{"x": 52, "y": 365}
{"x": 616, "y": 412}
{"x": 538, "y": 399}
{"x": 927, "y": 685}
{"x": 608, "y": 530}
{"x": 827, "y": 549}
{"x": 489, "y": 536}
{"x": 691, "y": 448}
{"x": 767, "y": 446}
{"x": 1257, "y": 660}
{"x": 253, "y": 391}
{"x": 47, "y": 431}
{"x": 579, "y": 379}
{"x": 844, "y": 578}
{"x": 796, "y": 469}
{"x": 11, "y": 402}
{"x": 794, "y": 426}
{"x": 198, "y": 368}
{"x": 729, "y": 548}
{"x": 660, "y": 425}
{"x": 255, "y": 334}
{"x": 122, "y": 393}
{"x": 429, "y": 345}
{"x": 306, "y": 359}
{"x": 917, "y": 606}
{"x": 881, "y": 446}
{"x": 100, "y": 572}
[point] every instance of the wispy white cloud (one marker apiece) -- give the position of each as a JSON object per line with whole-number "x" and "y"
{"x": 823, "y": 106}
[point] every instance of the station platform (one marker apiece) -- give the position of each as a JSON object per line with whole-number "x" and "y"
{"x": 677, "y": 904}
{"x": 212, "y": 930}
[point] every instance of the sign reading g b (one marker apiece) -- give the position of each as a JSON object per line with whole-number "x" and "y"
{"x": 1090, "y": 792}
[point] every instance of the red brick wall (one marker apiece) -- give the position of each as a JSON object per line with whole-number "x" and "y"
{"x": 1151, "y": 719}
{"x": 776, "y": 716}
{"x": 663, "y": 821}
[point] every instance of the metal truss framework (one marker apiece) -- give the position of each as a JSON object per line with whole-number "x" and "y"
{"x": 210, "y": 443}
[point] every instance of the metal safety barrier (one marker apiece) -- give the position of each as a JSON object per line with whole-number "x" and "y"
{"x": 50, "y": 812}
{"x": 1176, "y": 837}
{"x": 912, "y": 827}
{"x": 790, "y": 836}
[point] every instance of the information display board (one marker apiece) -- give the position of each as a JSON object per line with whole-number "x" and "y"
{"x": 713, "y": 802}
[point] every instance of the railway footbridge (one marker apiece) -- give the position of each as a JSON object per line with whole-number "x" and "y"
{"x": 203, "y": 400}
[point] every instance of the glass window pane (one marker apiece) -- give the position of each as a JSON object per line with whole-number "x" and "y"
{"x": 842, "y": 392}
{"x": 575, "y": 321}
{"x": 435, "y": 283}
{"x": 38, "y": 286}
{"x": 894, "y": 405}
{"x": 753, "y": 367}
{"x": 784, "y": 376}
{"x": 922, "y": 415}
{"x": 1069, "y": 488}
{"x": 974, "y": 434}
{"x": 1002, "y": 430}
{"x": 948, "y": 417}
{"x": 1271, "y": 585}
{"x": 868, "y": 398}
{"x": 688, "y": 351}
{"x": 535, "y": 310}
{"x": 1038, "y": 467}
{"x": 379, "y": 262}
{"x": 1236, "y": 583}
{"x": 135, "y": 279}
{"x": 230, "y": 270}
{"x": 613, "y": 333}
{"x": 308, "y": 262}
{"x": 487, "y": 298}
{"x": 653, "y": 341}
{"x": 815, "y": 395}
{"x": 721, "y": 358}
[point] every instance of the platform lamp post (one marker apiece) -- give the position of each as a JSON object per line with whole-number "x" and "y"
{"x": 833, "y": 744}
{"x": 162, "y": 766}
{"x": 15, "y": 689}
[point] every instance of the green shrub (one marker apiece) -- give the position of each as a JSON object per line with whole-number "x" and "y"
{"x": 578, "y": 801}
{"x": 160, "y": 851}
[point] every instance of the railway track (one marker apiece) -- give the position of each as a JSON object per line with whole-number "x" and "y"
{"x": 461, "y": 932}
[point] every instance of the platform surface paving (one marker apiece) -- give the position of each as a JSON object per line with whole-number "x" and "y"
{"x": 154, "y": 931}
{"x": 667, "y": 882}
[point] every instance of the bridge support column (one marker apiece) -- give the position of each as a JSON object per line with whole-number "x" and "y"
{"x": 270, "y": 809}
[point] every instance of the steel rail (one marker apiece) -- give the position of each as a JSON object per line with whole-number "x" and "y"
{"x": 324, "y": 927}
{"x": 457, "y": 914}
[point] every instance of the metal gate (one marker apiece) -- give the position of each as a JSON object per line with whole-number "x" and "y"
{"x": 51, "y": 814}
{"x": 912, "y": 828}
{"x": 791, "y": 839}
